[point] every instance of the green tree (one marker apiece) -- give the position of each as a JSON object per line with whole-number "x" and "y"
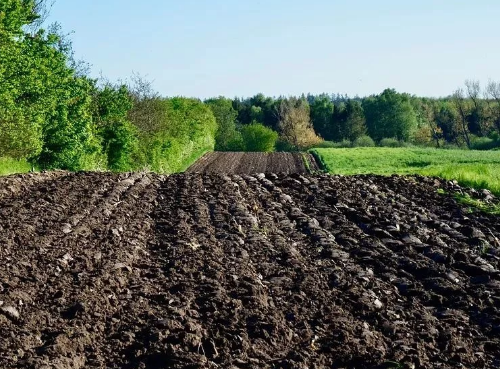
{"x": 390, "y": 114}
{"x": 493, "y": 93}
{"x": 321, "y": 116}
{"x": 447, "y": 120}
{"x": 177, "y": 133}
{"x": 45, "y": 113}
{"x": 461, "y": 106}
{"x": 257, "y": 137}
{"x": 119, "y": 138}
{"x": 353, "y": 124}
{"x": 70, "y": 138}
{"x": 295, "y": 125}
{"x": 476, "y": 117}
{"x": 348, "y": 121}
{"x": 227, "y": 137}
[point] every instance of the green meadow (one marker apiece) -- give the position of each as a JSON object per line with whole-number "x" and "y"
{"x": 477, "y": 169}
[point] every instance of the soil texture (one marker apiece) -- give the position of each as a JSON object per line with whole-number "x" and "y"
{"x": 255, "y": 162}
{"x": 295, "y": 270}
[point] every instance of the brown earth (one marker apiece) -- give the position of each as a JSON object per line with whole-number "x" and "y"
{"x": 245, "y": 271}
{"x": 255, "y": 162}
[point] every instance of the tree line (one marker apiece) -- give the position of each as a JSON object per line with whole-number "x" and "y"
{"x": 53, "y": 114}
{"x": 470, "y": 117}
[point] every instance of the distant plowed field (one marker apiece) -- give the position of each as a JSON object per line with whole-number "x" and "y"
{"x": 254, "y": 162}
{"x": 244, "y": 271}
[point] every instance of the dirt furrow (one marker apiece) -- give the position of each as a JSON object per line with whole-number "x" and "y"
{"x": 245, "y": 271}
{"x": 16, "y": 185}
{"x": 54, "y": 295}
{"x": 422, "y": 272}
{"x": 254, "y": 162}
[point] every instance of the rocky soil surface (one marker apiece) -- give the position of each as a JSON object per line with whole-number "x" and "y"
{"x": 245, "y": 271}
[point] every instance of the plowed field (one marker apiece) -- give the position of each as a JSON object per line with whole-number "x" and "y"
{"x": 255, "y": 162}
{"x": 244, "y": 271}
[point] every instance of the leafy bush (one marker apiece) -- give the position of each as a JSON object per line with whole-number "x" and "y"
{"x": 227, "y": 138}
{"x": 183, "y": 130}
{"x": 235, "y": 143}
{"x": 483, "y": 143}
{"x": 119, "y": 138}
{"x": 363, "y": 141}
{"x": 120, "y": 145}
{"x": 257, "y": 137}
{"x": 390, "y": 142}
{"x": 70, "y": 137}
{"x": 284, "y": 146}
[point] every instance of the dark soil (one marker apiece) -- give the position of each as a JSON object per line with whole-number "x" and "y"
{"x": 255, "y": 162}
{"x": 245, "y": 271}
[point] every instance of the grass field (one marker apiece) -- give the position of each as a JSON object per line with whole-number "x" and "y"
{"x": 11, "y": 166}
{"x": 478, "y": 169}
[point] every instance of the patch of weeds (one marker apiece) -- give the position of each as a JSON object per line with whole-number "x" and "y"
{"x": 306, "y": 163}
{"x": 485, "y": 248}
{"x": 441, "y": 191}
{"x": 319, "y": 160}
{"x": 493, "y": 209}
{"x": 473, "y": 204}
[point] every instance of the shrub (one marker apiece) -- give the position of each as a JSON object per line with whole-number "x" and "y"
{"x": 181, "y": 131}
{"x": 423, "y": 136}
{"x": 257, "y": 137}
{"x": 333, "y": 145}
{"x": 363, "y": 141}
{"x": 70, "y": 136}
{"x": 483, "y": 143}
{"x": 120, "y": 144}
{"x": 227, "y": 138}
{"x": 119, "y": 138}
{"x": 390, "y": 142}
{"x": 235, "y": 143}
{"x": 284, "y": 146}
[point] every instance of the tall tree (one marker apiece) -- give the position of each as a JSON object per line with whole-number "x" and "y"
{"x": 225, "y": 116}
{"x": 321, "y": 116}
{"x": 263, "y": 110}
{"x": 476, "y": 115}
{"x": 493, "y": 93}
{"x": 355, "y": 122}
{"x": 390, "y": 115}
{"x": 458, "y": 99}
{"x": 295, "y": 124}
{"x": 448, "y": 121}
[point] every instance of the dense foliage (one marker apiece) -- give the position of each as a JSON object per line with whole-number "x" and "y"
{"x": 227, "y": 137}
{"x": 257, "y": 137}
{"x": 54, "y": 116}
{"x": 184, "y": 131}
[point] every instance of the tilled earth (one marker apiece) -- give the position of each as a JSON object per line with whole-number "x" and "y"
{"x": 255, "y": 162}
{"x": 245, "y": 271}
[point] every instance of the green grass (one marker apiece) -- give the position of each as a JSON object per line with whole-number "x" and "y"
{"x": 477, "y": 169}
{"x": 11, "y": 166}
{"x": 472, "y": 203}
{"x": 493, "y": 209}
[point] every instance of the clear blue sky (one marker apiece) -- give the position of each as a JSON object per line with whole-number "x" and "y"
{"x": 204, "y": 48}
